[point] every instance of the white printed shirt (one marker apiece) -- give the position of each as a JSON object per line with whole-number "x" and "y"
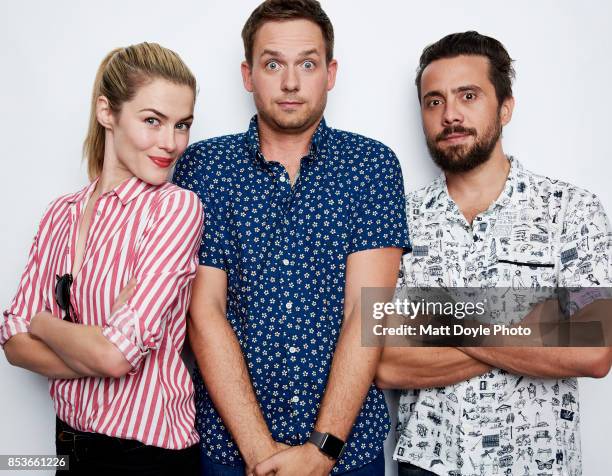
{"x": 501, "y": 423}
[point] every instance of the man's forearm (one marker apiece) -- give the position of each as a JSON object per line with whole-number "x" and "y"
{"x": 228, "y": 383}
{"x": 546, "y": 362}
{"x": 426, "y": 367}
{"x": 352, "y": 372}
{"x": 26, "y": 351}
{"x": 354, "y": 366}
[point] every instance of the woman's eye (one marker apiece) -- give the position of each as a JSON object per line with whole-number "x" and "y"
{"x": 152, "y": 121}
{"x": 183, "y": 126}
{"x": 308, "y": 65}
{"x": 272, "y": 66}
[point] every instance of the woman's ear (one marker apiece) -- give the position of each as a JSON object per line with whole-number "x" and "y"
{"x": 104, "y": 113}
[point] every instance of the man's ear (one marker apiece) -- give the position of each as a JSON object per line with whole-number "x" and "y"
{"x": 247, "y": 80}
{"x": 505, "y": 112}
{"x": 104, "y": 113}
{"x": 332, "y": 69}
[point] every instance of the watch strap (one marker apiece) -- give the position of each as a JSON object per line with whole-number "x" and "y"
{"x": 328, "y": 444}
{"x": 317, "y": 438}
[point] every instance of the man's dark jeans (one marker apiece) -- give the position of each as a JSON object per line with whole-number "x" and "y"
{"x": 407, "y": 469}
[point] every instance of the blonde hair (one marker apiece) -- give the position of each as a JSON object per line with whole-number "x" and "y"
{"x": 119, "y": 76}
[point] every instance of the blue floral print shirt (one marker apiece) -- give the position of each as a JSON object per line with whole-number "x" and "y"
{"x": 284, "y": 249}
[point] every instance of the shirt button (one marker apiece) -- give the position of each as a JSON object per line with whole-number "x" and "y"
{"x": 286, "y": 262}
{"x": 293, "y": 350}
{"x": 289, "y": 305}
{"x": 282, "y": 178}
{"x": 98, "y": 213}
{"x": 295, "y": 399}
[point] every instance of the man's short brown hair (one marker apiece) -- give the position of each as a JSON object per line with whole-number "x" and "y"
{"x": 283, "y": 10}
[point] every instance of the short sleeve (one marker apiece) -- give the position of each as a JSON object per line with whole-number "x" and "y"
{"x": 165, "y": 265}
{"x": 585, "y": 243}
{"x": 380, "y": 217}
{"x": 215, "y": 239}
{"x": 195, "y": 173}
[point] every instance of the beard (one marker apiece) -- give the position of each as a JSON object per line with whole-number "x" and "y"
{"x": 463, "y": 158}
{"x": 291, "y": 122}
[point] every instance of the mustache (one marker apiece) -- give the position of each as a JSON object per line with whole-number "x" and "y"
{"x": 290, "y": 99}
{"x": 447, "y": 131}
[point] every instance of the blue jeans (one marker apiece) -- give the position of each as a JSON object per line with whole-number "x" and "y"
{"x": 376, "y": 467}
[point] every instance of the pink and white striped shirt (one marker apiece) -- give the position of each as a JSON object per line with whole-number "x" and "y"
{"x": 151, "y": 233}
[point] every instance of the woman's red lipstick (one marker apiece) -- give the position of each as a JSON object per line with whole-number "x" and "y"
{"x": 163, "y": 162}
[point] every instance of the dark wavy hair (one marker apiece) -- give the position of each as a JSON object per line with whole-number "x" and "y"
{"x": 472, "y": 43}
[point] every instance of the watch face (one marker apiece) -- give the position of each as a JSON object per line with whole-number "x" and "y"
{"x": 333, "y": 446}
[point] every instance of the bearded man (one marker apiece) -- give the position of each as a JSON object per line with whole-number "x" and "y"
{"x": 488, "y": 222}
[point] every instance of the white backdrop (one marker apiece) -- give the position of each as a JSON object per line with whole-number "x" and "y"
{"x": 50, "y": 52}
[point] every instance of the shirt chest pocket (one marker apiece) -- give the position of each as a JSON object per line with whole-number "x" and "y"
{"x": 525, "y": 265}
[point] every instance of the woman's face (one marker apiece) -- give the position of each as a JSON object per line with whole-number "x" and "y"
{"x": 151, "y": 131}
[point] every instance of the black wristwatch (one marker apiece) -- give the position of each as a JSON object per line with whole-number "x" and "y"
{"x": 330, "y": 445}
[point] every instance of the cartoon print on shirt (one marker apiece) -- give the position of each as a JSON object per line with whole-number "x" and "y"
{"x": 539, "y": 233}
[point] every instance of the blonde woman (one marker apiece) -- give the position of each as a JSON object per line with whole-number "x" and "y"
{"x": 100, "y": 309}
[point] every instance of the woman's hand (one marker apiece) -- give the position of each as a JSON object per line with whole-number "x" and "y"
{"x": 38, "y": 320}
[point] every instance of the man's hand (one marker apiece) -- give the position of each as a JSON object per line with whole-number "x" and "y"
{"x": 304, "y": 460}
{"x": 262, "y": 455}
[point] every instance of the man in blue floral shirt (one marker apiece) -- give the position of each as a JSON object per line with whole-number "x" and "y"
{"x": 299, "y": 218}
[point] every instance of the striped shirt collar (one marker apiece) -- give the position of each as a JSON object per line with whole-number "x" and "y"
{"x": 126, "y": 191}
